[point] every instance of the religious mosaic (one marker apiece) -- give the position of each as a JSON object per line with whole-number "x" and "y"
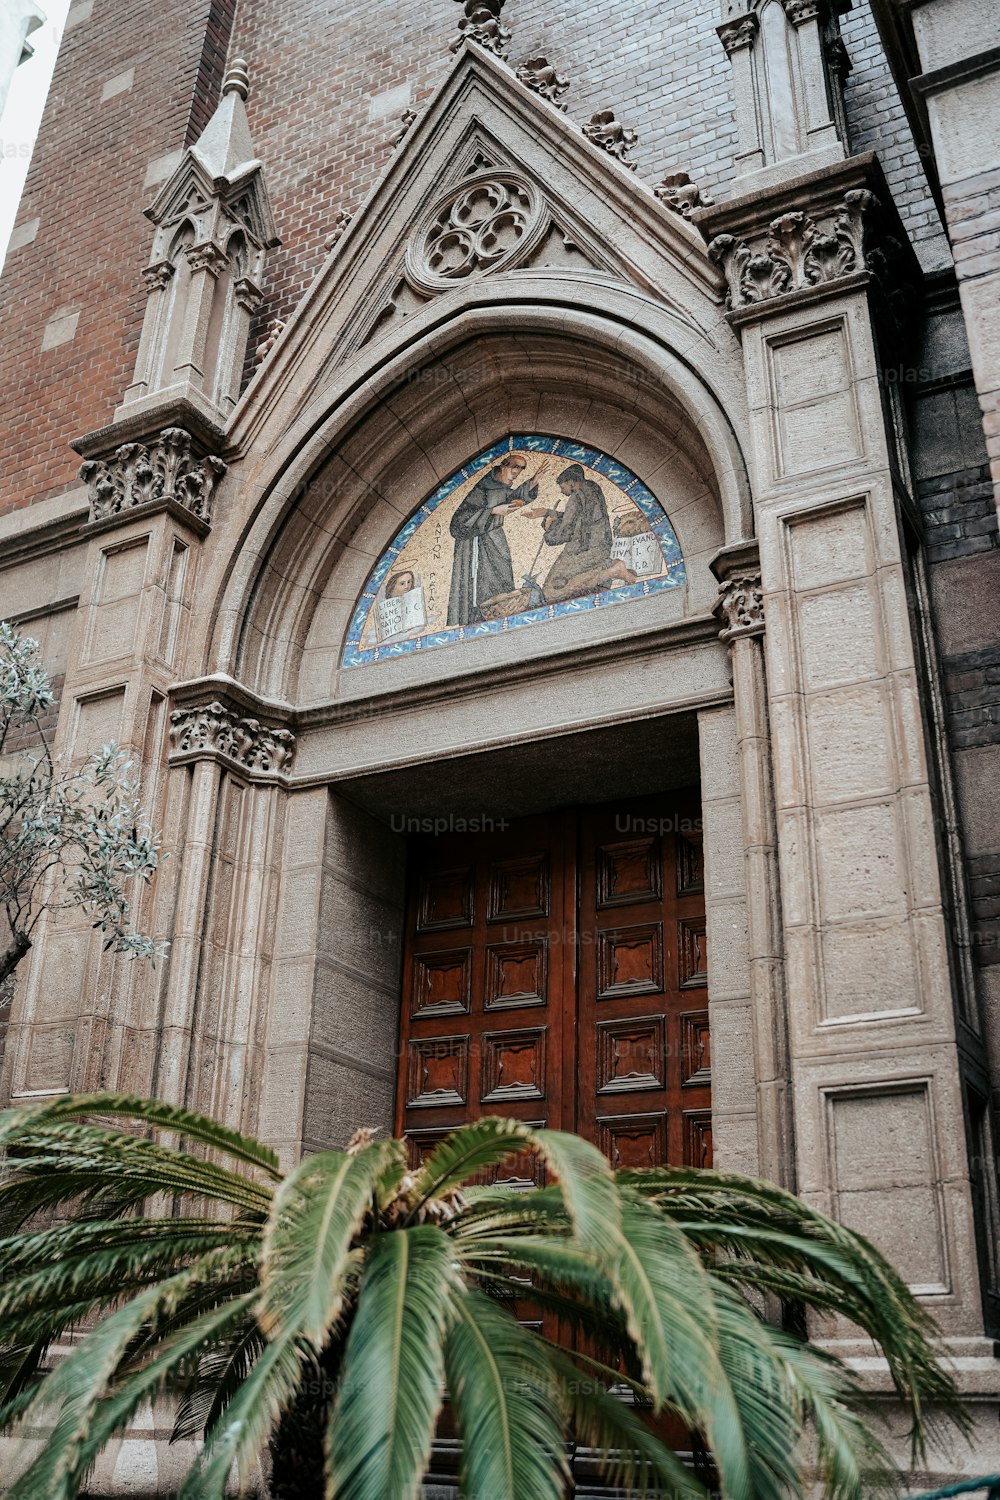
{"x": 530, "y": 530}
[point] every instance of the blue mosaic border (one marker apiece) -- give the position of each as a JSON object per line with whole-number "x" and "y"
{"x": 674, "y": 576}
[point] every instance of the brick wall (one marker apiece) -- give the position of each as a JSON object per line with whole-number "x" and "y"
{"x": 132, "y": 83}
{"x": 328, "y": 85}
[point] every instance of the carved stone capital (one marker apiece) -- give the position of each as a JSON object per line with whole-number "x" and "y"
{"x": 796, "y": 251}
{"x": 538, "y": 74}
{"x": 140, "y": 473}
{"x": 216, "y": 728}
{"x": 738, "y": 34}
{"x": 157, "y": 276}
{"x": 247, "y": 293}
{"x": 741, "y": 606}
{"x": 481, "y": 23}
{"x": 206, "y": 257}
{"x": 611, "y": 136}
{"x": 677, "y": 192}
{"x": 801, "y": 11}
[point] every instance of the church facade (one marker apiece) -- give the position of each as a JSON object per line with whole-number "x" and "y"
{"x": 524, "y": 487}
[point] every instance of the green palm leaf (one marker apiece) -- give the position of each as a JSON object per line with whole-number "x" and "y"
{"x": 629, "y": 1455}
{"x": 507, "y": 1405}
{"x": 586, "y": 1183}
{"x": 154, "y": 1112}
{"x": 391, "y": 1387}
{"x": 315, "y": 1215}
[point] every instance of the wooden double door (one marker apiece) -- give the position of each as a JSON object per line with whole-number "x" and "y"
{"x": 555, "y": 969}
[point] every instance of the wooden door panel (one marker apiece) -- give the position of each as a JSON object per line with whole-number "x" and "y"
{"x": 556, "y": 971}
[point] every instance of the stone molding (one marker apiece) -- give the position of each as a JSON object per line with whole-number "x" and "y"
{"x": 218, "y": 730}
{"x": 538, "y": 74}
{"x": 612, "y": 136}
{"x": 167, "y": 468}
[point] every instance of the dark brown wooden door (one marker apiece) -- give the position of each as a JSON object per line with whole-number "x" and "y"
{"x": 555, "y": 970}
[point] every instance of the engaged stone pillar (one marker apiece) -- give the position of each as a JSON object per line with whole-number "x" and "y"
{"x": 877, "y": 1100}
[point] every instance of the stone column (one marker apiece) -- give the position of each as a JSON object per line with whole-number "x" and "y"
{"x": 741, "y": 611}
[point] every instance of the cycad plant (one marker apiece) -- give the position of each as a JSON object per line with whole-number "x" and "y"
{"x": 400, "y": 1289}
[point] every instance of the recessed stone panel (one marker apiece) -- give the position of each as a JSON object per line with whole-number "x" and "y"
{"x": 816, "y": 418}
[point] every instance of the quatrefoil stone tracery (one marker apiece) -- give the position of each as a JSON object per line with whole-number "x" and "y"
{"x": 478, "y": 227}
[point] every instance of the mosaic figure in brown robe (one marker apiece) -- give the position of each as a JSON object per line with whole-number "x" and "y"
{"x": 483, "y": 568}
{"x": 583, "y": 530}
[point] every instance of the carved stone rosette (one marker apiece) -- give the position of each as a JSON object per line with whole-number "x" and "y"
{"x": 480, "y": 226}
{"x": 677, "y": 192}
{"x": 741, "y": 606}
{"x": 139, "y": 473}
{"x": 538, "y": 74}
{"x": 611, "y": 136}
{"x": 795, "y": 251}
{"x": 481, "y": 23}
{"x": 216, "y": 729}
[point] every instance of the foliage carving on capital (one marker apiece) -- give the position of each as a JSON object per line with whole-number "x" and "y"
{"x": 739, "y": 34}
{"x": 207, "y": 257}
{"x": 801, "y": 11}
{"x": 795, "y": 252}
{"x": 216, "y": 729}
{"x": 165, "y": 469}
{"x": 156, "y": 277}
{"x": 741, "y": 606}
{"x": 611, "y": 136}
{"x": 538, "y": 74}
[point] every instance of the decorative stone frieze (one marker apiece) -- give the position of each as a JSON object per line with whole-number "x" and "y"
{"x": 482, "y": 225}
{"x": 741, "y": 605}
{"x": 737, "y": 35}
{"x": 538, "y": 74}
{"x": 167, "y": 469}
{"x": 217, "y": 729}
{"x": 677, "y": 192}
{"x": 611, "y": 136}
{"x": 481, "y": 23}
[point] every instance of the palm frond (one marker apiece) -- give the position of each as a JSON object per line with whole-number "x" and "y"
{"x": 220, "y": 1375}
{"x": 314, "y": 1217}
{"x": 391, "y": 1386}
{"x": 507, "y": 1403}
{"x": 152, "y": 1112}
{"x": 629, "y": 1455}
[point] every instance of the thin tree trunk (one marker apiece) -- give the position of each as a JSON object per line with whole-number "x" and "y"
{"x": 20, "y": 943}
